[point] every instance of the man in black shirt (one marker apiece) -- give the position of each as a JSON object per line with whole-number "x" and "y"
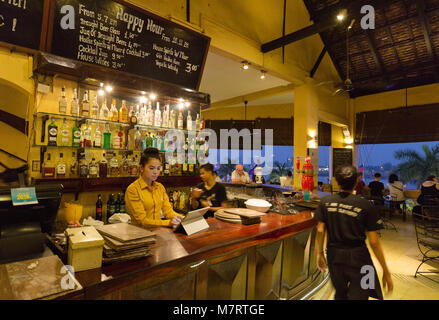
{"x": 348, "y": 218}
{"x": 376, "y": 189}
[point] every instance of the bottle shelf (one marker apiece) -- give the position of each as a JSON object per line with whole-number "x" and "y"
{"x": 113, "y": 123}
{"x": 77, "y": 185}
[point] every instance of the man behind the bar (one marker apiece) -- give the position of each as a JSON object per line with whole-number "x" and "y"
{"x": 348, "y": 219}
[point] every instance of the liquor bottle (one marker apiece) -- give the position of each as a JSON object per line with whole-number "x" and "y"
{"x": 142, "y": 115}
{"x": 180, "y": 120}
{"x": 149, "y": 140}
{"x": 149, "y": 116}
{"x": 83, "y": 167}
{"x": 125, "y": 168}
{"x": 73, "y": 173}
{"x": 165, "y": 117}
{"x": 61, "y": 167}
{"x": 87, "y": 136}
{"x": 137, "y": 112}
{"x": 191, "y": 169}
{"x": 134, "y": 167}
{"x": 107, "y": 137}
{"x": 76, "y": 136}
{"x": 53, "y": 133}
{"x": 172, "y": 120}
{"x": 117, "y": 204}
{"x": 94, "y": 111}
{"x": 48, "y": 168}
{"x": 132, "y": 116}
{"x": 197, "y": 122}
{"x": 74, "y": 105}
{"x": 97, "y": 139}
{"x": 65, "y": 134}
{"x": 104, "y": 114}
{"x": 93, "y": 169}
{"x": 98, "y": 215}
{"x": 160, "y": 143}
{"x": 138, "y": 140}
{"x": 122, "y": 204}
{"x": 120, "y": 135}
{"x": 110, "y": 206}
{"x": 114, "y": 167}
{"x": 85, "y": 106}
{"x": 154, "y": 141}
{"x": 123, "y": 113}
{"x": 63, "y": 101}
{"x": 189, "y": 121}
{"x": 166, "y": 170}
{"x": 116, "y": 140}
{"x": 157, "y": 116}
{"x": 103, "y": 167}
{"x": 202, "y": 124}
{"x": 114, "y": 114}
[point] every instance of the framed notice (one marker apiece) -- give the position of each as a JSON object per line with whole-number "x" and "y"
{"x": 122, "y": 37}
{"x": 21, "y": 22}
{"x": 341, "y": 156}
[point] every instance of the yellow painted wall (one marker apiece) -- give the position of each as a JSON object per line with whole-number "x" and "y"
{"x": 394, "y": 99}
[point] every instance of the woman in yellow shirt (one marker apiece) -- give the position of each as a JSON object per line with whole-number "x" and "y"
{"x": 146, "y": 198}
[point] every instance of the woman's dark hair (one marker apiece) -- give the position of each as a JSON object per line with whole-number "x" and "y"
{"x": 149, "y": 153}
{"x": 431, "y": 178}
{"x": 289, "y": 174}
{"x": 208, "y": 167}
{"x": 346, "y": 177}
{"x": 377, "y": 175}
{"x": 392, "y": 178}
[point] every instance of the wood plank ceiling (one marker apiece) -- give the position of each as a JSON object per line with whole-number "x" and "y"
{"x": 402, "y": 51}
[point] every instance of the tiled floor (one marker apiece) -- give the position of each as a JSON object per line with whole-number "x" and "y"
{"x": 403, "y": 257}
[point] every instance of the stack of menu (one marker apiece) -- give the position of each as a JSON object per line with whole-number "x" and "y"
{"x": 125, "y": 242}
{"x": 239, "y": 215}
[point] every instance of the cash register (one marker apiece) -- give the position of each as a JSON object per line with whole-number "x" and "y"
{"x": 22, "y": 228}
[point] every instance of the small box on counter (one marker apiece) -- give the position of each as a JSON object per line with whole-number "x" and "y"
{"x": 85, "y": 246}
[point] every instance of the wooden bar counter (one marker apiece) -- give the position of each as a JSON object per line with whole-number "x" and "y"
{"x": 271, "y": 260}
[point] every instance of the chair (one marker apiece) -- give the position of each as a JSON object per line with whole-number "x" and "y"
{"x": 392, "y": 204}
{"x": 379, "y": 203}
{"x": 427, "y": 237}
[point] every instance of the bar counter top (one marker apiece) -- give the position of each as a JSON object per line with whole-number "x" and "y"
{"x": 174, "y": 251}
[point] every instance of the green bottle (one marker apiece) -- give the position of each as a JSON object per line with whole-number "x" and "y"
{"x": 107, "y": 138}
{"x": 76, "y": 136}
{"x": 149, "y": 141}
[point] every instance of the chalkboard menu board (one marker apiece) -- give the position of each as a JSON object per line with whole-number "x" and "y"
{"x": 341, "y": 156}
{"x": 121, "y": 37}
{"x": 21, "y": 22}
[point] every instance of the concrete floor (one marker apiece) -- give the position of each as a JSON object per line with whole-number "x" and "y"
{"x": 403, "y": 257}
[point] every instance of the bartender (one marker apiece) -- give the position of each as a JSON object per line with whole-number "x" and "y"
{"x": 209, "y": 193}
{"x": 239, "y": 175}
{"x": 146, "y": 198}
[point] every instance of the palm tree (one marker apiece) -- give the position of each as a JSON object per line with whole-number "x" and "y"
{"x": 279, "y": 170}
{"x": 416, "y": 167}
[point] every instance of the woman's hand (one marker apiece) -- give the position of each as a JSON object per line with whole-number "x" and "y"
{"x": 196, "y": 193}
{"x": 176, "y": 221}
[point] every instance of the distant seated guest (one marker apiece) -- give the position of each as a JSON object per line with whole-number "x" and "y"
{"x": 395, "y": 188}
{"x": 239, "y": 175}
{"x": 377, "y": 189}
{"x": 360, "y": 187}
{"x": 429, "y": 194}
{"x": 289, "y": 180}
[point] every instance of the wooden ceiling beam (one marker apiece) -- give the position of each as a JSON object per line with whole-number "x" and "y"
{"x": 319, "y": 60}
{"x": 425, "y": 27}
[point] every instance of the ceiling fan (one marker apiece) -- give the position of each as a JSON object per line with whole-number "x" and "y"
{"x": 346, "y": 85}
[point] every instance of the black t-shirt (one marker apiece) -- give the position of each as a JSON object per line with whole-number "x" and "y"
{"x": 215, "y": 196}
{"x": 347, "y": 218}
{"x": 376, "y": 188}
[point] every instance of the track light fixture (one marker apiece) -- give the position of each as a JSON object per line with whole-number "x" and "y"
{"x": 245, "y": 65}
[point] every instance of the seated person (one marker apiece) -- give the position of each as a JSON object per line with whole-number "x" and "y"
{"x": 429, "y": 193}
{"x": 239, "y": 175}
{"x": 377, "y": 189}
{"x": 396, "y": 190}
{"x": 145, "y": 198}
{"x": 360, "y": 187}
{"x": 209, "y": 193}
{"x": 289, "y": 179}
